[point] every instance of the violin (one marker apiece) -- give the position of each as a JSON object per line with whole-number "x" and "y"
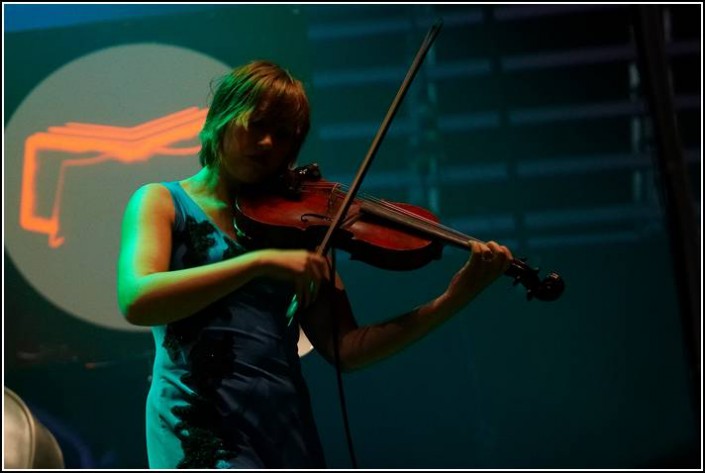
{"x": 296, "y": 209}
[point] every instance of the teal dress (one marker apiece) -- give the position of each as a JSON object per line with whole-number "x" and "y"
{"x": 227, "y": 389}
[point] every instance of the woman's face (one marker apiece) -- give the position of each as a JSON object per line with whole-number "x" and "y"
{"x": 254, "y": 153}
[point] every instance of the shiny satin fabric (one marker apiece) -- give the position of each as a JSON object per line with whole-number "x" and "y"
{"x": 28, "y": 443}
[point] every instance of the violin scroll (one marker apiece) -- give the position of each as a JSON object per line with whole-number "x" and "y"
{"x": 548, "y": 289}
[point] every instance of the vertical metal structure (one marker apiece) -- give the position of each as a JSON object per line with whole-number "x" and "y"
{"x": 678, "y": 202}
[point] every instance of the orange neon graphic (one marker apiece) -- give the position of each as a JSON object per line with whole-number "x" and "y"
{"x": 125, "y": 144}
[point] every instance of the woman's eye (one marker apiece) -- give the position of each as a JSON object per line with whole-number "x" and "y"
{"x": 284, "y": 133}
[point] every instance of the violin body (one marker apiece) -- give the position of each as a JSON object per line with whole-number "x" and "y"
{"x": 300, "y": 220}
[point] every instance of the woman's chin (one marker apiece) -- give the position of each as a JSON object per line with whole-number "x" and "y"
{"x": 248, "y": 179}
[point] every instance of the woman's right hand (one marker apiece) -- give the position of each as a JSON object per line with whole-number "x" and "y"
{"x": 306, "y": 270}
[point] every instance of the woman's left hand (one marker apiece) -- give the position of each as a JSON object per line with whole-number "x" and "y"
{"x": 487, "y": 262}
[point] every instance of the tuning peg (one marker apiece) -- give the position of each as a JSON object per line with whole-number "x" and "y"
{"x": 529, "y": 294}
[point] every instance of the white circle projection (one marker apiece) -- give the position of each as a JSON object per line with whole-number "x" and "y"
{"x": 77, "y": 148}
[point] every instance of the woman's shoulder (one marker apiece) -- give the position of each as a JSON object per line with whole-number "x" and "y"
{"x": 159, "y": 188}
{"x": 152, "y": 197}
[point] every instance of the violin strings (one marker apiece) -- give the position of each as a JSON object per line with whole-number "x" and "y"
{"x": 418, "y": 220}
{"x": 388, "y": 207}
{"x": 412, "y": 218}
{"x": 394, "y": 209}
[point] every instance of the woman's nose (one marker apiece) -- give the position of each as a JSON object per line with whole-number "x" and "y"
{"x": 266, "y": 141}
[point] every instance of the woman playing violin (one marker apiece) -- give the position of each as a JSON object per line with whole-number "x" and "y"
{"x": 227, "y": 389}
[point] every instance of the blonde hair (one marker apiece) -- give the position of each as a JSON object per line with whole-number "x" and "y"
{"x": 244, "y": 89}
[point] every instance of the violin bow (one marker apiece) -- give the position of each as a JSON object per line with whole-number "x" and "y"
{"x": 352, "y": 192}
{"x": 394, "y": 107}
{"x": 548, "y": 289}
{"x": 362, "y": 171}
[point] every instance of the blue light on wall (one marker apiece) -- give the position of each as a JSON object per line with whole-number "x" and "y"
{"x": 32, "y": 17}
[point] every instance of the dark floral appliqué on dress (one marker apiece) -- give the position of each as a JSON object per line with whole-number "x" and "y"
{"x": 209, "y": 360}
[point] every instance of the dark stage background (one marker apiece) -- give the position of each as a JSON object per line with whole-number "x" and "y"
{"x": 526, "y": 125}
